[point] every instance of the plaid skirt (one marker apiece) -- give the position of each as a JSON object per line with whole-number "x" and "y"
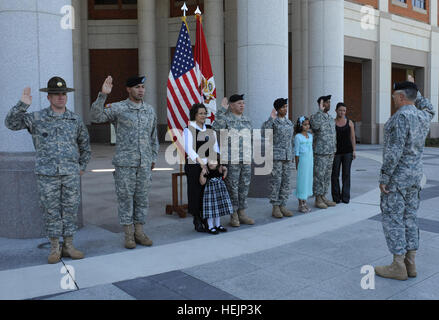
{"x": 216, "y": 200}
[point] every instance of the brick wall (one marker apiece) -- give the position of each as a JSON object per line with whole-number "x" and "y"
{"x": 409, "y": 12}
{"x": 373, "y": 3}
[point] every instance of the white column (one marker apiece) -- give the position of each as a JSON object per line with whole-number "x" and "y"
{"x": 262, "y": 55}
{"x": 308, "y": 107}
{"x": 326, "y": 51}
{"x": 213, "y": 26}
{"x": 77, "y": 59}
{"x": 297, "y": 86}
{"x": 231, "y": 47}
{"x": 383, "y": 5}
{"x": 433, "y": 12}
{"x": 147, "y": 48}
{"x": 384, "y": 72}
{"x": 433, "y": 72}
{"x": 31, "y": 53}
{"x": 85, "y": 67}
{"x": 163, "y": 64}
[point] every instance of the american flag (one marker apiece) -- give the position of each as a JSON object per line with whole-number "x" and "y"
{"x": 182, "y": 90}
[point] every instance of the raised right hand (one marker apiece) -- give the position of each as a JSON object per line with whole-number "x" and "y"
{"x": 321, "y": 107}
{"x": 225, "y": 103}
{"x": 26, "y": 97}
{"x": 107, "y": 86}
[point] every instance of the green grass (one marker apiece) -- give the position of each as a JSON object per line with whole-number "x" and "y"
{"x": 432, "y": 142}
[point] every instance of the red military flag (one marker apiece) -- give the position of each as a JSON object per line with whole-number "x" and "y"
{"x": 206, "y": 81}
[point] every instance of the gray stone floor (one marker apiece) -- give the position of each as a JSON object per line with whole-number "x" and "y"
{"x": 323, "y": 266}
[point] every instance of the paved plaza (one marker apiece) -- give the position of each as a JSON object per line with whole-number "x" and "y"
{"x": 319, "y": 255}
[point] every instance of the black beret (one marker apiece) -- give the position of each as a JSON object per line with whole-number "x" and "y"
{"x": 324, "y": 98}
{"x": 279, "y": 103}
{"x": 404, "y": 85}
{"x": 236, "y": 97}
{"x": 134, "y": 81}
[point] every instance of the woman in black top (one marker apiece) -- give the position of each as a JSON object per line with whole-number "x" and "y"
{"x": 198, "y": 137}
{"x": 344, "y": 155}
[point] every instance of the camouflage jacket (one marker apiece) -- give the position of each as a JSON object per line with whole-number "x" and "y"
{"x": 240, "y": 129}
{"x": 404, "y": 140}
{"x": 136, "y": 131}
{"x": 282, "y": 138}
{"x": 61, "y": 142}
{"x": 325, "y": 137}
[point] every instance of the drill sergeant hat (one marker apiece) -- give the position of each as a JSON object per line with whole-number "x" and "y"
{"x": 56, "y": 85}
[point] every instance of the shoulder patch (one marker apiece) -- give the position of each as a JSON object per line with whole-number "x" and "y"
{"x": 108, "y": 105}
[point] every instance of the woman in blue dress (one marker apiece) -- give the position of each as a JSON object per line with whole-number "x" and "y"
{"x": 304, "y": 162}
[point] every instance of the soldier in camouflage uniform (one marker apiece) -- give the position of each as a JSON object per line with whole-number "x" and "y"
{"x": 282, "y": 157}
{"x": 62, "y": 148}
{"x": 404, "y": 139}
{"x": 325, "y": 146}
{"x": 136, "y": 153}
{"x": 230, "y": 120}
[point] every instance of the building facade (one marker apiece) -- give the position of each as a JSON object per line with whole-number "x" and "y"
{"x": 301, "y": 49}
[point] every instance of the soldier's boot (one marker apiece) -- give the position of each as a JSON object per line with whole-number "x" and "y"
{"x": 140, "y": 237}
{"x": 55, "y": 252}
{"x": 276, "y": 212}
{"x": 68, "y": 250}
{"x": 234, "y": 220}
{"x": 319, "y": 203}
{"x": 286, "y": 212}
{"x": 243, "y": 218}
{"x": 409, "y": 262}
{"x": 129, "y": 236}
{"x": 329, "y": 203}
{"x": 397, "y": 270}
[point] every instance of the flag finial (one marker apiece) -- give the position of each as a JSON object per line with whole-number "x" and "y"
{"x": 184, "y": 9}
{"x": 198, "y": 11}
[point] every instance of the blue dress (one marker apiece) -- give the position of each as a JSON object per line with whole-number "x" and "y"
{"x": 303, "y": 149}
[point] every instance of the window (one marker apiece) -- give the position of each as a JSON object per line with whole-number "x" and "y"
{"x": 112, "y": 9}
{"x": 191, "y": 4}
{"x": 419, "y": 4}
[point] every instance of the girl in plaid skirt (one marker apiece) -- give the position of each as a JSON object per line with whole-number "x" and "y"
{"x": 216, "y": 200}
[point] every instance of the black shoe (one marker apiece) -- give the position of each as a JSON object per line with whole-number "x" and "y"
{"x": 221, "y": 229}
{"x": 213, "y": 231}
{"x": 344, "y": 201}
{"x": 200, "y": 228}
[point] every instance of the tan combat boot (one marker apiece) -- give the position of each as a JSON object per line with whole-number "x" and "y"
{"x": 396, "y": 270}
{"x": 276, "y": 212}
{"x": 329, "y": 203}
{"x": 140, "y": 237}
{"x": 409, "y": 262}
{"x": 55, "y": 252}
{"x": 129, "y": 236}
{"x": 68, "y": 250}
{"x": 234, "y": 220}
{"x": 243, "y": 218}
{"x": 319, "y": 203}
{"x": 286, "y": 212}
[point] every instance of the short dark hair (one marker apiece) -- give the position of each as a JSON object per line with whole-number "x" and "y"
{"x": 194, "y": 110}
{"x": 340, "y": 104}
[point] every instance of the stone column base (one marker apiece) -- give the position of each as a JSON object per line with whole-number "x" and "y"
{"x": 20, "y": 214}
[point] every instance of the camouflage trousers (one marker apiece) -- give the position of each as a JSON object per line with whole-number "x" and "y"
{"x": 59, "y": 200}
{"x": 132, "y": 189}
{"x": 280, "y": 184}
{"x": 399, "y": 218}
{"x": 322, "y": 173}
{"x": 238, "y": 184}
